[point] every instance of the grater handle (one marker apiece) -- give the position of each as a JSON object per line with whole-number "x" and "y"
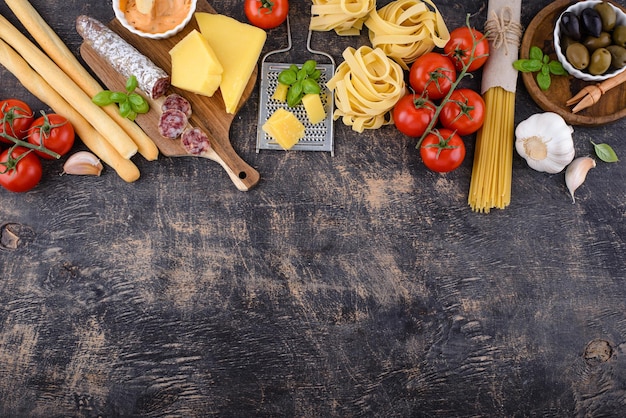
{"x": 278, "y": 51}
{"x": 317, "y": 52}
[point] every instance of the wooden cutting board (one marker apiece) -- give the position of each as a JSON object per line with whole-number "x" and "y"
{"x": 209, "y": 113}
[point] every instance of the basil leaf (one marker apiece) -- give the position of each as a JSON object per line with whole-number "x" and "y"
{"x": 131, "y": 84}
{"x": 605, "y": 152}
{"x": 125, "y": 109}
{"x": 310, "y": 86}
{"x": 309, "y": 66}
{"x": 545, "y": 69}
{"x": 556, "y": 68}
{"x": 294, "y": 95}
{"x": 138, "y": 103}
{"x": 287, "y": 77}
{"x": 103, "y": 98}
{"x": 118, "y": 97}
{"x": 527, "y": 66}
{"x": 536, "y": 53}
{"x": 543, "y": 80}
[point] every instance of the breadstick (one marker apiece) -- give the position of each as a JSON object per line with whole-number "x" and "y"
{"x": 33, "y": 82}
{"x": 56, "y": 49}
{"x": 64, "y": 85}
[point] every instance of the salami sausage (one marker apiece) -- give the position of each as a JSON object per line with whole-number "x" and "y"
{"x": 195, "y": 141}
{"x": 172, "y": 123}
{"x": 176, "y": 101}
{"x": 123, "y": 57}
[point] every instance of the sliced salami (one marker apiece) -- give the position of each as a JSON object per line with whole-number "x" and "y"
{"x": 176, "y": 101}
{"x": 123, "y": 57}
{"x": 172, "y": 123}
{"x": 195, "y": 141}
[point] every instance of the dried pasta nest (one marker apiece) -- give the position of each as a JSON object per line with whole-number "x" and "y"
{"x": 345, "y": 17}
{"x": 367, "y": 85}
{"x": 407, "y": 29}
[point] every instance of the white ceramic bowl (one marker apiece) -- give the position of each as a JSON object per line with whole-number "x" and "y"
{"x": 119, "y": 14}
{"x": 577, "y": 8}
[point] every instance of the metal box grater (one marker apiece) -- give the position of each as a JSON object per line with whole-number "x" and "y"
{"x": 318, "y": 137}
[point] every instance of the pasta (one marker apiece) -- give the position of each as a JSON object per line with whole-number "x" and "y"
{"x": 367, "y": 85}
{"x": 490, "y": 185}
{"x": 407, "y": 29}
{"x": 345, "y": 17}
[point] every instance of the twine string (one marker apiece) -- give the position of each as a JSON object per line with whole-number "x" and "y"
{"x": 503, "y": 31}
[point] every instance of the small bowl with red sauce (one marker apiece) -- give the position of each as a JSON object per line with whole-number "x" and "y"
{"x": 155, "y": 19}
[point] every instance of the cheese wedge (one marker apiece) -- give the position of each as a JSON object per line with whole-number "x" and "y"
{"x": 280, "y": 94}
{"x": 195, "y": 67}
{"x": 314, "y": 108}
{"x": 238, "y": 47}
{"x": 284, "y": 127}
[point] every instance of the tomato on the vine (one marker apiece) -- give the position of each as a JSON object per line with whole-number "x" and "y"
{"x": 432, "y": 73}
{"x": 464, "y": 112}
{"x": 54, "y": 132}
{"x": 459, "y": 48}
{"x": 412, "y": 114}
{"x": 266, "y": 14}
{"x": 22, "y": 171}
{"x": 17, "y": 117}
{"x": 442, "y": 150}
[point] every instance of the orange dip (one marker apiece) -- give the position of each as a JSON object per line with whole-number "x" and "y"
{"x": 165, "y": 15}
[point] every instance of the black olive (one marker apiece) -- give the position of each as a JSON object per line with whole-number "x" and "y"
{"x": 570, "y": 25}
{"x": 591, "y": 22}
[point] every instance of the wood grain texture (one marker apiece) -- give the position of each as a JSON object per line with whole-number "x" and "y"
{"x": 347, "y": 286}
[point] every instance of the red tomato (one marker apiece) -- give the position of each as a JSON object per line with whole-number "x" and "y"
{"x": 16, "y": 117}
{"x": 459, "y": 48}
{"x": 266, "y": 14}
{"x": 432, "y": 73}
{"x": 412, "y": 115}
{"x": 464, "y": 112}
{"x": 442, "y": 150}
{"x": 56, "y": 132}
{"x": 19, "y": 174}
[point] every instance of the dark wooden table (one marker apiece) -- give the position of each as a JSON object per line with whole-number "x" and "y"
{"x": 355, "y": 285}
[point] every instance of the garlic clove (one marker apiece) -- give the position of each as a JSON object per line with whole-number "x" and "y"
{"x": 576, "y": 173}
{"x": 83, "y": 163}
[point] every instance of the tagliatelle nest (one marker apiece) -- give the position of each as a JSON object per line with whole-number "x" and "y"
{"x": 407, "y": 29}
{"x": 367, "y": 85}
{"x": 345, "y": 17}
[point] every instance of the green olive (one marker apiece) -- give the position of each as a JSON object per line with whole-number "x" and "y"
{"x": 618, "y": 55}
{"x": 577, "y": 55}
{"x": 592, "y": 43}
{"x": 619, "y": 35}
{"x": 566, "y": 41}
{"x": 600, "y": 61}
{"x": 607, "y": 14}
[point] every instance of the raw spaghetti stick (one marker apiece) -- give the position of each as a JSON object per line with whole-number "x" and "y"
{"x": 50, "y": 42}
{"x": 64, "y": 85}
{"x": 34, "y": 83}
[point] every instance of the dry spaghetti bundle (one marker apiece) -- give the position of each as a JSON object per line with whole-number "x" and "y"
{"x": 490, "y": 185}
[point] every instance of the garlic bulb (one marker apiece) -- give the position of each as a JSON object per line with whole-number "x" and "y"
{"x": 576, "y": 173}
{"x": 545, "y": 141}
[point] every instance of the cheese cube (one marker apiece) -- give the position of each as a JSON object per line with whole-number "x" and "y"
{"x": 195, "y": 67}
{"x": 314, "y": 108}
{"x": 284, "y": 127}
{"x": 280, "y": 94}
{"x": 238, "y": 47}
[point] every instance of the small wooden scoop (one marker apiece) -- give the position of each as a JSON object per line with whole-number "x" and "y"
{"x": 590, "y": 95}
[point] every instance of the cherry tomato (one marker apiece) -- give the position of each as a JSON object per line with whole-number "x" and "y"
{"x": 459, "y": 48}
{"x": 412, "y": 115}
{"x": 464, "y": 112}
{"x": 19, "y": 174}
{"x": 56, "y": 132}
{"x": 266, "y": 14}
{"x": 432, "y": 73}
{"x": 17, "y": 117}
{"x": 442, "y": 150}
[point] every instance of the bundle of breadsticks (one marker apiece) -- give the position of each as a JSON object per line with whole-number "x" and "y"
{"x": 56, "y": 77}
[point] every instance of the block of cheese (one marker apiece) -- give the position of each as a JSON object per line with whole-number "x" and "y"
{"x": 280, "y": 94}
{"x": 195, "y": 67}
{"x": 238, "y": 47}
{"x": 284, "y": 127}
{"x": 314, "y": 108}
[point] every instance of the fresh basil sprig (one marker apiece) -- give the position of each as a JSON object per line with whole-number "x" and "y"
{"x": 605, "y": 152}
{"x": 540, "y": 64}
{"x": 130, "y": 103}
{"x": 301, "y": 81}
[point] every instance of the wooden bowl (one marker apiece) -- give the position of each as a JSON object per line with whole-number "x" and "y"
{"x": 540, "y": 32}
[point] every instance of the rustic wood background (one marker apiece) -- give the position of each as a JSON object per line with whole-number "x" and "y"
{"x": 355, "y": 285}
